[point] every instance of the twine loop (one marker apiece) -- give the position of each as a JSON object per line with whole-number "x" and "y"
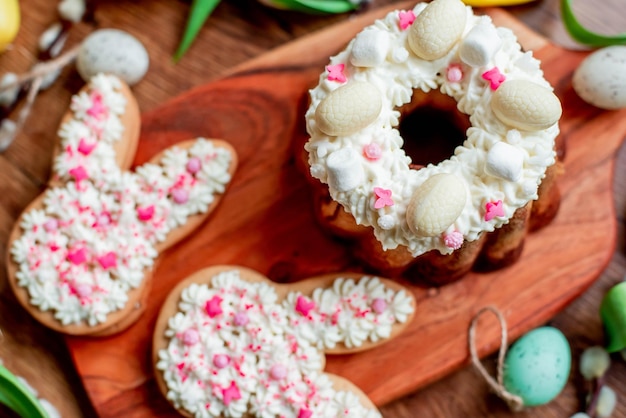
{"x": 514, "y": 402}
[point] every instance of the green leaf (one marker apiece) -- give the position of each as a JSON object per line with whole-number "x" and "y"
{"x": 584, "y": 36}
{"x": 18, "y": 397}
{"x": 327, "y": 6}
{"x": 613, "y": 314}
{"x": 198, "y": 14}
{"x": 313, "y": 6}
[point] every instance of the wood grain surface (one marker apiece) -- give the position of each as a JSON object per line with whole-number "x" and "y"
{"x": 236, "y": 32}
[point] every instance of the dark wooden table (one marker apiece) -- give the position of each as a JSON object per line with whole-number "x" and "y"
{"x": 237, "y": 31}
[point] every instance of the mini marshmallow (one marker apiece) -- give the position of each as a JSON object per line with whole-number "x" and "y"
{"x": 370, "y": 48}
{"x": 504, "y": 161}
{"x": 480, "y": 46}
{"x": 345, "y": 171}
{"x": 386, "y": 222}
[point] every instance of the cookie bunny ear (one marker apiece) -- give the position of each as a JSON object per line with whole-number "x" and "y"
{"x": 229, "y": 342}
{"x": 182, "y": 185}
{"x": 99, "y": 133}
{"x": 82, "y": 253}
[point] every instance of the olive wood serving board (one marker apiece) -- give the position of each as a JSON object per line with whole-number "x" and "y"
{"x": 265, "y": 222}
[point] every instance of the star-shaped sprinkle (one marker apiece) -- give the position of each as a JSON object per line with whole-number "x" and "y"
{"x": 494, "y": 77}
{"x": 213, "y": 307}
{"x": 145, "y": 213}
{"x": 231, "y": 393}
{"x": 305, "y": 413}
{"x": 97, "y": 110}
{"x": 107, "y": 261}
{"x": 85, "y": 147}
{"x": 493, "y": 209}
{"x": 77, "y": 256}
{"x": 383, "y": 198}
{"x": 304, "y": 306}
{"x": 335, "y": 73}
{"x": 406, "y": 19}
{"x": 79, "y": 173}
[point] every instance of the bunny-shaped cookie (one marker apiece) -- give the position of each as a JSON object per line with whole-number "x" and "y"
{"x": 230, "y": 343}
{"x": 81, "y": 253}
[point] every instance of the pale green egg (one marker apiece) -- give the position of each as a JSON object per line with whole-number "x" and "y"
{"x": 537, "y": 366}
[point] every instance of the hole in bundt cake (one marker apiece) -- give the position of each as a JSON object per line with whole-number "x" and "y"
{"x": 432, "y": 127}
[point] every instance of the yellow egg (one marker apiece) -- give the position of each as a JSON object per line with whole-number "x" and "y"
{"x": 9, "y": 22}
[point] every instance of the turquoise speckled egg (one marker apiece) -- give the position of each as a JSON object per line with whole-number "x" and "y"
{"x": 537, "y": 366}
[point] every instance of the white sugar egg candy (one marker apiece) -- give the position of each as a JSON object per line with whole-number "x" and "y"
{"x": 537, "y": 366}
{"x": 600, "y": 79}
{"x": 114, "y": 52}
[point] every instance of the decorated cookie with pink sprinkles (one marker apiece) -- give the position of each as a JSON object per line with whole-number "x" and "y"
{"x": 230, "y": 343}
{"x": 81, "y": 254}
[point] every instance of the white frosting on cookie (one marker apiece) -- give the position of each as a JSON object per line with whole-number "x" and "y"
{"x": 95, "y": 237}
{"x": 368, "y": 172}
{"x": 234, "y": 349}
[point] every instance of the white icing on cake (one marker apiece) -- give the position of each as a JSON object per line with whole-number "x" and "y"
{"x": 81, "y": 254}
{"x": 235, "y": 333}
{"x": 395, "y": 78}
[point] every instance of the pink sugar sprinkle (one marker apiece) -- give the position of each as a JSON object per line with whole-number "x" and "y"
{"x": 241, "y": 319}
{"x": 97, "y": 109}
{"x": 180, "y": 196}
{"x": 194, "y": 165}
{"x": 278, "y": 371}
{"x": 231, "y": 393}
{"x": 107, "y": 261}
{"x": 145, "y": 213}
{"x": 372, "y": 151}
{"x": 335, "y": 73}
{"x": 493, "y": 209}
{"x": 51, "y": 225}
{"x": 383, "y": 198}
{"x": 494, "y": 77}
{"x": 406, "y": 19}
{"x": 305, "y": 413}
{"x": 83, "y": 290}
{"x": 191, "y": 337}
{"x": 221, "y": 360}
{"x": 213, "y": 307}
{"x": 454, "y": 73}
{"x": 85, "y": 147}
{"x": 77, "y": 256}
{"x": 79, "y": 173}
{"x": 304, "y": 306}
{"x": 453, "y": 240}
{"x": 379, "y": 305}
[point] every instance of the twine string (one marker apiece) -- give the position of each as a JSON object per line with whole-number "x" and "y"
{"x": 36, "y": 78}
{"x": 514, "y": 402}
{"x": 43, "y": 68}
